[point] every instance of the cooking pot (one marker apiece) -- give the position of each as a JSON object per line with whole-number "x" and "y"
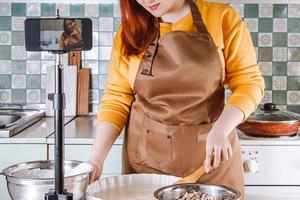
{"x": 271, "y": 122}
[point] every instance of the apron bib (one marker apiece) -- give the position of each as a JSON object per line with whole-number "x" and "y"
{"x": 179, "y": 95}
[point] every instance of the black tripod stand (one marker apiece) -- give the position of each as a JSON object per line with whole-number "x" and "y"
{"x": 58, "y": 98}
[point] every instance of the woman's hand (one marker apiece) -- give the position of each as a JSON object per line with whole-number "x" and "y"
{"x": 217, "y": 144}
{"x": 97, "y": 171}
{"x": 218, "y": 147}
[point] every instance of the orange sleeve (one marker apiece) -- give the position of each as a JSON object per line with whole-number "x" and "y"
{"x": 241, "y": 70}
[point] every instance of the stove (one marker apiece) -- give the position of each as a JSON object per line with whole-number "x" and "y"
{"x": 272, "y": 167}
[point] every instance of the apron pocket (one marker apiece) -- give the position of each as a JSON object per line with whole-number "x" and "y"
{"x": 158, "y": 142}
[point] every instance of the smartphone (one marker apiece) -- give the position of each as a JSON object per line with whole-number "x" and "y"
{"x": 58, "y": 34}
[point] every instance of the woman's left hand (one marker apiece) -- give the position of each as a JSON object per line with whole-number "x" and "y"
{"x": 218, "y": 147}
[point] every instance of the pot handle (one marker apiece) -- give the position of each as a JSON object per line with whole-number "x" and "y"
{"x": 269, "y": 107}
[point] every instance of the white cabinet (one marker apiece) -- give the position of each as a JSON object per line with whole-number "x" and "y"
{"x": 112, "y": 165}
{"x": 11, "y": 154}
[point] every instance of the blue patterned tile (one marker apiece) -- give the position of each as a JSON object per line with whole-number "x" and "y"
{"x": 106, "y": 10}
{"x": 251, "y": 10}
{"x": 5, "y": 52}
{"x": 18, "y": 67}
{"x": 48, "y": 9}
{"x": 280, "y": 10}
{"x": 5, "y": 23}
{"x": 265, "y": 25}
{"x": 77, "y": 10}
{"x": 18, "y": 38}
{"x": 5, "y": 81}
{"x": 18, "y": 9}
{"x": 33, "y": 81}
{"x": 293, "y": 25}
{"x": 279, "y": 68}
{"x": 18, "y": 95}
{"x": 279, "y": 97}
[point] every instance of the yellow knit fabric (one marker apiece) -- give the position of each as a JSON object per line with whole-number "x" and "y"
{"x": 235, "y": 48}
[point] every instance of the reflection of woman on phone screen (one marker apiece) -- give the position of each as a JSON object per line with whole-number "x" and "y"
{"x": 71, "y": 37}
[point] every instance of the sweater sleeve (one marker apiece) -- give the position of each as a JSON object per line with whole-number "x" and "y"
{"x": 241, "y": 70}
{"x": 117, "y": 98}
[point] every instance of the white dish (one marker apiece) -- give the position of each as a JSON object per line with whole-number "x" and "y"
{"x": 128, "y": 187}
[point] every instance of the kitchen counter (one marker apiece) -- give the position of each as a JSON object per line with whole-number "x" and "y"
{"x": 81, "y": 130}
{"x": 37, "y": 143}
{"x": 36, "y": 133}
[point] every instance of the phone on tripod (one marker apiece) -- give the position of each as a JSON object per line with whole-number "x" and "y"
{"x": 58, "y": 34}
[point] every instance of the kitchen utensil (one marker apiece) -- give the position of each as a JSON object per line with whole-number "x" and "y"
{"x": 128, "y": 187}
{"x": 271, "y": 122}
{"x": 31, "y": 180}
{"x": 192, "y": 178}
{"x": 174, "y": 192}
{"x": 83, "y": 91}
{"x": 79, "y": 169}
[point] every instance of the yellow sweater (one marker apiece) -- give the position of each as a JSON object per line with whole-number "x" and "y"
{"x": 235, "y": 49}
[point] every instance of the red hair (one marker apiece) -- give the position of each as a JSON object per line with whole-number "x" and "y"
{"x": 139, "y": 28}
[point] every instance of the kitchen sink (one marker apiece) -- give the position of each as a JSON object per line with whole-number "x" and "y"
{"x": 13, "y": 121}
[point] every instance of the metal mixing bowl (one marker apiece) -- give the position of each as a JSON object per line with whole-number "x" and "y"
{"x": 31, "y": 180}
{"x": 174, "y": 192}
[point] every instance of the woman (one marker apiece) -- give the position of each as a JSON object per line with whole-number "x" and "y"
{"x": 171, "y": 60}
{"x": 71, "y": 37}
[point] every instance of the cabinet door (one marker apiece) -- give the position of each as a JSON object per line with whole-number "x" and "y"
{"x": 112, "y": 164}
{"x": 11, "y": 154}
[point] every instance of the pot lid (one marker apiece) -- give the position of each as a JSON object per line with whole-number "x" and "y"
{"x": 270, "y": 114}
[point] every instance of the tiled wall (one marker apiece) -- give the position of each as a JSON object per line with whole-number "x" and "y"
{"x": 275, "y": 29}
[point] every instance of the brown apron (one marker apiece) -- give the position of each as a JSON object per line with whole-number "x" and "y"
{"x": 179, "y": 94}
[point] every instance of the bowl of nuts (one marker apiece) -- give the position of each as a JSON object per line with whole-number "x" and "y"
{"x": 196, "y": 191}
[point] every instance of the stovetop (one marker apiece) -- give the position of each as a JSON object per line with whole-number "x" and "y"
{"x": 283, "y": 140}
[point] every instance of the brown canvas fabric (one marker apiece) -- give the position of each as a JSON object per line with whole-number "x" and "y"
{"x": 179, "y": 94}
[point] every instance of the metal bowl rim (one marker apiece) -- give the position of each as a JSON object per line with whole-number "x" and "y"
{"x": 236, "y": 192}
{"x": 6, "y": 173}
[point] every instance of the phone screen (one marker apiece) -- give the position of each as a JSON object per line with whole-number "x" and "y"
{"x": 48, "y": 34}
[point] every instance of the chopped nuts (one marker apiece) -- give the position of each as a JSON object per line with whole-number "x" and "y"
{"x": 194, "y": 195}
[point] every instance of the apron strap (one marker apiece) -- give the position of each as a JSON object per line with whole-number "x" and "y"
{"x": 148, "y": 56}
{"x": 198, "y": 22}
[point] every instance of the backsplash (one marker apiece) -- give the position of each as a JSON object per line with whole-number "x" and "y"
{"x": 275, "y": 30}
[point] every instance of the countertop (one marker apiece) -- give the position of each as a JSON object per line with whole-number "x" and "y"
{"x": 36, "y": 133}
{"x": 81, "y": 130}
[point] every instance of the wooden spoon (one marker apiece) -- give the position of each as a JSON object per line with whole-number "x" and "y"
{"x": 192, "y": 178}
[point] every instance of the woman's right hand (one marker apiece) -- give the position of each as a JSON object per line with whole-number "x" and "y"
{"x": 97, "y": 171}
